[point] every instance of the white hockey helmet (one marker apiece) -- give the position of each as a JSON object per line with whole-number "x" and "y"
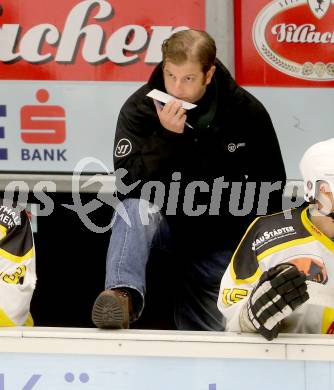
{"x": 317, "y": 164}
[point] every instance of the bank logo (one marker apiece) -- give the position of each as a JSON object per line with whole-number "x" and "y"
{"x": 293, "y": 42}
{"x": 3, "y": 151}
{"x": 123, "y": 148}
{"x": 43, "y": 123}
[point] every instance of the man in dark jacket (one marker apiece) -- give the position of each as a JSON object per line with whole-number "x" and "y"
{"x": 189, "y": 172}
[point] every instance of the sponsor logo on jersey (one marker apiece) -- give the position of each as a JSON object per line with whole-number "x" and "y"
{"x": 296, "y": 37}
{"x": 272, "y": 235}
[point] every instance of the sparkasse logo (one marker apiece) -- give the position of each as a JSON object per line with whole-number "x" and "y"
{"x": 43, "y": 124}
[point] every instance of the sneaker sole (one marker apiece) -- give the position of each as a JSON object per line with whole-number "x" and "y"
{"x": 107, "y": 312}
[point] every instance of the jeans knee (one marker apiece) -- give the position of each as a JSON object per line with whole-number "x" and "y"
{"x": 141, "y": 212}
{"x": 131, "y": 205}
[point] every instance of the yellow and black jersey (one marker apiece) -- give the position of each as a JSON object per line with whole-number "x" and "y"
{"x": 17, "y": 266}
{"x": 272, "y": 240}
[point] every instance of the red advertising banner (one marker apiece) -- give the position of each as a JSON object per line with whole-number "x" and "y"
{"x": 116, "y": 40}
{"x": 284, "y": 43}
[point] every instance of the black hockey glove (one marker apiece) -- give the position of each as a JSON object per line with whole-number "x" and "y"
{"x": 279, "y": 292}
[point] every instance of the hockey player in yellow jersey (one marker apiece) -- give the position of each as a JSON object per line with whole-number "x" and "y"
{"x": 281, "y": 277}
{"x": 17, "y": 266}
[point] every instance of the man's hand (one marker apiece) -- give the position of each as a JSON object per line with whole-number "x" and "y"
{"x": 279, "y": 292}
{"x": 172, "y": 116}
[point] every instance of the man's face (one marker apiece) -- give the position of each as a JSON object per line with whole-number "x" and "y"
{"x": 331, "y": 198}
{"x": 326, "y": 198}
{"x": 186, "y": 81}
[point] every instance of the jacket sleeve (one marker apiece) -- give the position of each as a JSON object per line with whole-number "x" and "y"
{"x": 142, "y": 146}
{"x": 238, "y": 281}
{"x": 267, "y": 157}
{"x": 271, "y": 156}
{"x": 17, "y": 267}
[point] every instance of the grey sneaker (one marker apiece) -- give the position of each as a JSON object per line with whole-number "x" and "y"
{"x": 112, "y": 309}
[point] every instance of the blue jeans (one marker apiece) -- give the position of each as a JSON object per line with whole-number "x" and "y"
{"x": 199, "y": 279}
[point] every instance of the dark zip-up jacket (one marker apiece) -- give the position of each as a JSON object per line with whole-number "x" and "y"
{"x": 232, "y": 137}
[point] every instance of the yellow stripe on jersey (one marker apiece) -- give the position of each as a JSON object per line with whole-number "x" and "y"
{"x": 252, "y": 279}
{"x": 3, "y": 232}
{"x": 5, "y": 320}
{"x": 285, "y": 245}
{"x": 316, "y": 232}
{"x": 328, "y": 321}
{"x": 258, "y": 272}
{"x": 29, "y": 321}
{"x": 16, "y": 259}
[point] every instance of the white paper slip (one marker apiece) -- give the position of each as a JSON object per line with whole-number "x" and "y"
{"x": 165, "y": 98}
{"x": 320, "y": 294}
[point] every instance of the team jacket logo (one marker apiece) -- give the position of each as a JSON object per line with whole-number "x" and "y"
{"x": 293, "y": 37}
{"x": 123, "y": 148}
{"x": 232, "y": 147}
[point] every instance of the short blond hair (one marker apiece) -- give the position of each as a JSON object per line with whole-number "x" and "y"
{"x": 190, "y": 45}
